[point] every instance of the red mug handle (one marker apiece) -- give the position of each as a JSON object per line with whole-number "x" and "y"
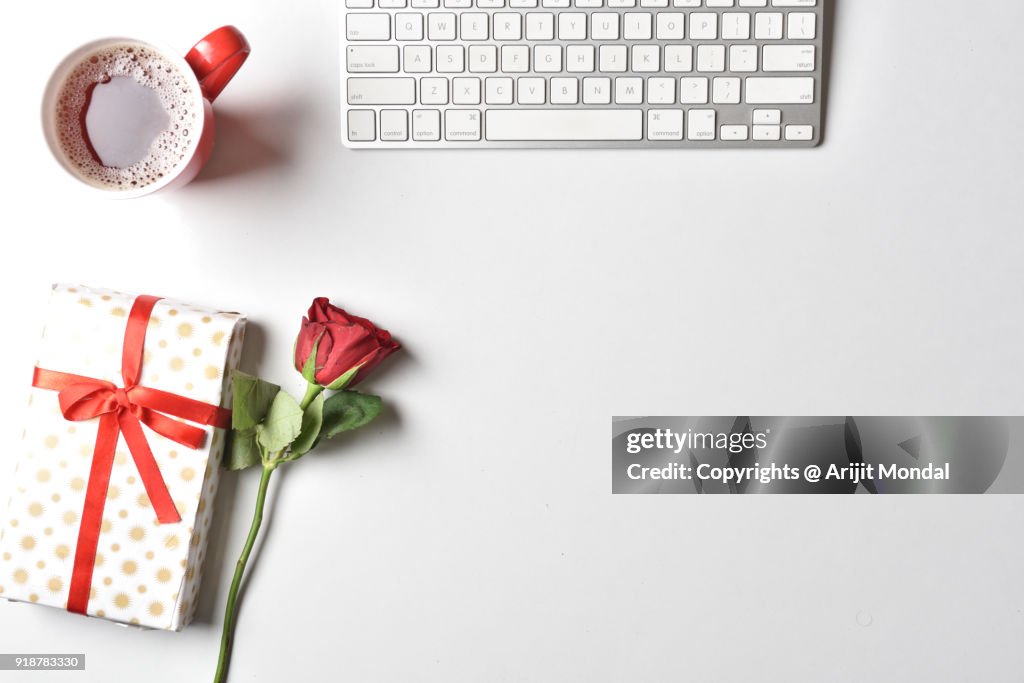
{"x": 217, "y": 58}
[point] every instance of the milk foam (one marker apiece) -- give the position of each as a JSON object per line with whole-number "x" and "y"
{"x": 147, "y": 67}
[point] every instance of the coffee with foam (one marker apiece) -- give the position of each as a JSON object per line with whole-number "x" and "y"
{"x": 125, "y": 116}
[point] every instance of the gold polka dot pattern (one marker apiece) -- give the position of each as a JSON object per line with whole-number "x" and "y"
{"x": 145, "y": 573}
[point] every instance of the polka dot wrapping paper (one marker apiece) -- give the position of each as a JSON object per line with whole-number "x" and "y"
{"x": 145, "y": 573}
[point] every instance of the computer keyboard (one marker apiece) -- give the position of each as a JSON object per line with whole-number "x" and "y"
{"x": 582, "y": 73}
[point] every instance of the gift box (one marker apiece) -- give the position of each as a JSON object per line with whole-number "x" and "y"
{"x": 117, "y": 469}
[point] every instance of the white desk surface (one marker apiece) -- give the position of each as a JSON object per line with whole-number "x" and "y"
{"x": 471, "y": 535}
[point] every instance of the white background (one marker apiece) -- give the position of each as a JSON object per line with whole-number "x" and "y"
{"x": 470, "y": 535}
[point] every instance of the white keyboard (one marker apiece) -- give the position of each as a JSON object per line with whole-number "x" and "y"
{"x": 582, "y": 73}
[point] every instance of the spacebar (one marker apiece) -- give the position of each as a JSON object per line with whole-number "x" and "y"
{"x": 564, "y": 124}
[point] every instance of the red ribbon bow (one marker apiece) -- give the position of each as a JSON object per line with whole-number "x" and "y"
{"x": 123, "y": 411}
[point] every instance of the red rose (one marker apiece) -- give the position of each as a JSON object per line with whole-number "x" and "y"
{"x": 343, "y": 342}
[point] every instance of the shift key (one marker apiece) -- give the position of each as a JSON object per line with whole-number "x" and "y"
{"x": 382, "y": 91}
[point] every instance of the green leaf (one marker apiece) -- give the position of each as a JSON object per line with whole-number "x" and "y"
{"x": 312, "y": 420}
{"x": 343, "y": 381}
{"x": 245, "y": 452}
{"x": 348, "y": 410}
{"x": 282, "y": 424}
{"x": 253, "y": 398}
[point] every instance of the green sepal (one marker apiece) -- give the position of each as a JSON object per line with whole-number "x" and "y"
{"x": 252, "y": 400}
{"x": 309, "y": 369}
{"x": 244, "y": 452}
{"x": 342, "y": 382}
{"x": 348, "y": 410}
{"x": 282, "y": 424}
{"x": 312, "y": 421}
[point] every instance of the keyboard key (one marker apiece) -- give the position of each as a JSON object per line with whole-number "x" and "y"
{"x": 372, "y": 59}
{"x": 636, "y": 26}
{"x": 473, "y": 26}
{"x": 703, "y": 26}
{"x": 515, "y": 58}
{"x": 393, "y": 125}
{"x": 678, "y": 58}
{"x": 597, "y": 90}
{"x": 531, "y": 90}
{"x": 725, "y": 91}
{"x": 612, "y": 58}
{"x": 665, "y": 124}
{"x": 693, "y": 90}
{"x": 382, "y": 91}
{"x": 540, "y": 26}
{"x": 572, "y": 26}
{"x": 794, "y": 3}
{"x": 768, "y": 26}
{"x": 780, "y": 90}
{"x": 711, "y": 58}
{"x": 700, "y": 124}
{"x": 769, "y": 133}
{"x": 604, "y": 26}
{"x": 734, "y": 133}
{"x": 408, "y": 26}
{"x": 361, "y": 125}
{"x": 426, "y": 125}
{"x": 483, "y": 58}
{"x": 564, "y": 124}
{"x": 802, "y": 26}
{"x": 671, "y": 25}
{"x": 799, "y": 132}
{"x": 450, "y": 59}
{"x": 362, "y": 26}
{"x": 508, "y": 26}
{"x": 434, "y": 91}
{"x": 661, "y": 90}
{"x": 498, "y": 91}
{"x": 462, "y": 125}
{"x": 787, "y": 58}
{"x": 465, "y": 91}
{"x": 629, "y": 91}
{"x": 743, "y": 58}
{"x": 645, "y": 58}
{"x": 579, "y": 58}
{"x": 417, "y": 59}
{"x": 359, "y": 4}
{"x": 547, "y": 58}
{"x": 441, "y": 26}
{"x": 565, "y": 91}
{"x": 735, "y": 26}
{"x": 770, "y": 117}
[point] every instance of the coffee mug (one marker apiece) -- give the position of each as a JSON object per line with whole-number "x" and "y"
{"x": 129, "y": 118}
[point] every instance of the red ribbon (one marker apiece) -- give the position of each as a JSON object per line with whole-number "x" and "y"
{"x": 123, "y": 411}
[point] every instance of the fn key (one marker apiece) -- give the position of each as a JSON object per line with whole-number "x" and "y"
{"x": 361, "y": 126}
